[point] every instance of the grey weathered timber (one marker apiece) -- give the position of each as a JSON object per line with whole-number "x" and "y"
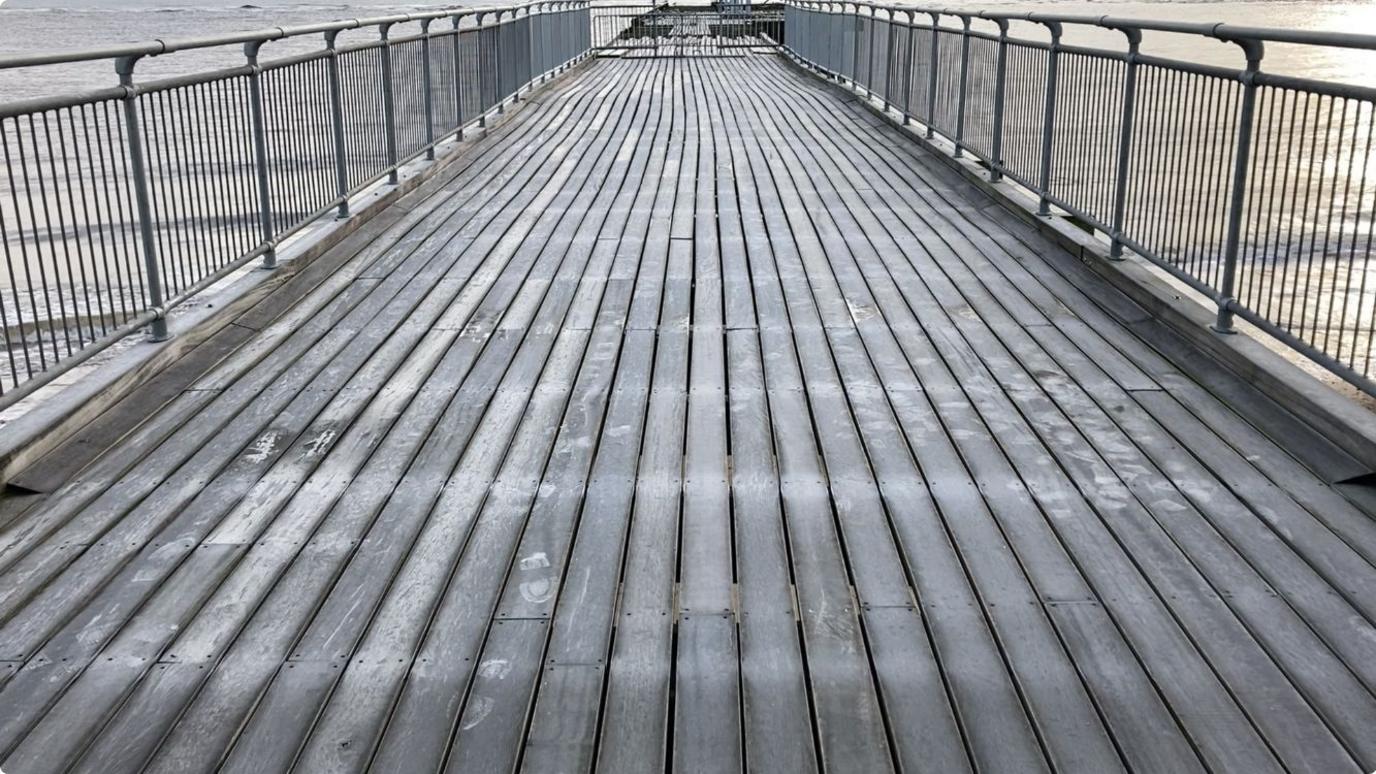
{"x": 696, "y": 421}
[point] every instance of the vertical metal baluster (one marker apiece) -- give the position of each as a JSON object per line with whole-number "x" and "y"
{"x": 964, "y": 79}
{"x": 429, "y": 97}
{"x": 138, "y": 168}
{"x": 389, "y": 107}
{"x": 1000, "y": 89}
{"x": 1120, "y": 188}
{"x": 931, "y": 76}
{"x": 1049, "y": 117}
{"x": 341, "y": 159}
{"x": 1254, "y": 51}
{"x": 260, "y": 151}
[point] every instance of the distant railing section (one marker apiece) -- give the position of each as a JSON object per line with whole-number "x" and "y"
{"x": 1256, "y": 189}
{"x": 117, "y": 204}
{"x": 669, "y": 30}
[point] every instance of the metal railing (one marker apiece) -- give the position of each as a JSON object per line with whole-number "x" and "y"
{"x": 120, "y": 203}
{"x": 648, "y": 29}
{"x": 1256, "y": 189}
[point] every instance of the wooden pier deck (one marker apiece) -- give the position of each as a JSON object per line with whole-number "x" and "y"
{"x": 699, "y": 421}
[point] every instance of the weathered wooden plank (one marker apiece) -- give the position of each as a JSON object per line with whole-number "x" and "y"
{"x": 209, "y": 457}
{"x": 691, "y": 437}
{"x": 336, "y": 544}
{"x": 841, "y": 682}
{"x": 707, "y": 700}
{"x": 636, "y": 714}
{"x": 1048, "y": 373}
{"x": 374, "y": 260}
{"x": 938, "y": 584}
{"x": 777, "y": 724}
{"x": 480, "y": 533}
{"x": 494, "y": 718}
{"x": 529, "y": 594}
{"x": 1040, "y": 413}
{"x": 582, "y": 629}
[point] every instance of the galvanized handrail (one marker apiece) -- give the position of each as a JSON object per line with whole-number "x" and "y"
{"x": 1253, "y": 188}
{"x": 120, "y": 203}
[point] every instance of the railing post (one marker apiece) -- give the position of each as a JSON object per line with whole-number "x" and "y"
{"x": 513, "y": 55}
{"x": 811, "y": 44}
{"x": 389, "y": 105}
{"x": 1000, "y": 89}
{"x": 458, "y": 79}
{"x": 931, "y": 76}
{"x": 138, "y": 167}
{"x": 908, "y": 70}
{"x": 497, "y": 61}
{"x": 869, "y": 56}
{"x": 964, "y": 79}
{"x": 889, "y": 60}
{"x": 560, "y": 33}
{"x": 535, "y": 44}
{"x": 1120, "y": 188}
{"x": 818, "y": 41}
{"x": 1049, "y": 118}
{"x": 1254, "y": 51}
{"x": 429, "y": 97}
{"x": 260, "y": 151}
{"x": 855, "y": 46}
{"x": 817, "y": 53}
{"x": 835, "y": 21}
{"x": 567, "y": 30}
{"x": 341, "y": 160}
{"x": 478, "y": 71}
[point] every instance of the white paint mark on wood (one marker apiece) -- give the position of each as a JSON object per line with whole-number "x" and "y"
{"x": 494, "y": 669}
{"x": 316, "y": 446}
{"x": 478, "y": 710}
{"x": 537, "y": 591}
{"x": 535, "y": 561}
{"x": 262, "y": 448}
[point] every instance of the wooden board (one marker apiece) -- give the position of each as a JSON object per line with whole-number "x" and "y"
{"x": 698, "y": 422}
